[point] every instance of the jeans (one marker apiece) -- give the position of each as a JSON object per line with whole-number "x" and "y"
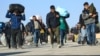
{"x": 79, "y": 37}
{"x": 91, "y": 33}
{"x": 62, "y": 36}
{"x": 36, "y": 36}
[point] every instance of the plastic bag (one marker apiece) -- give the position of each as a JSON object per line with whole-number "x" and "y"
{"x": 62, "y": 11}
{"x": 3, "y": 40}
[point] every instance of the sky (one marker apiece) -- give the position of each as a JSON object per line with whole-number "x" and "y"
{"x": 41, "y": 7}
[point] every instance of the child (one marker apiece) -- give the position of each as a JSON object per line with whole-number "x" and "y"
{"x": 83, "y": 33}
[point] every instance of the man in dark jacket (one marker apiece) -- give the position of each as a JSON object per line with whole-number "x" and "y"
{"x": 52, "y": 21}
{"x": 16, "y": 18}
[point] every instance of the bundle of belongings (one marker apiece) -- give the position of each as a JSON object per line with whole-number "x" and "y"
{"x": 16, "y": 7}
{"x": 92, "y": 9}
{"x": 63, "y": 12}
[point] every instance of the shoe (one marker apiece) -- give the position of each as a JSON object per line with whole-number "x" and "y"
{"x": 90, "y": 44}
{"x": 62, "y": 44}
{"x": 9, "y": 47}
{"x": 36, "y": 45}
{"x": 59, "y": 46}
{"x": 94, "y": 44}
{"x": 79, "y": 42}
{"x": 21, "y": 47}
{"x": 97, "y": 42}
{"x": 83, "y": 42}
{"x": 14, "y": 48}
{"x": 28, "y": 44}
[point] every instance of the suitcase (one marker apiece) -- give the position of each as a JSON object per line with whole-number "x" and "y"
{"x": 19, "y": 7}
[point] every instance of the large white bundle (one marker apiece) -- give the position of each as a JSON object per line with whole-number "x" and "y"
{"x": 3, "y": 40}
{"x": 38, "y": 17}
{"x": 62, "y": 11}
{"x": 31, "y": 18}
{"x": 29, "y": 38}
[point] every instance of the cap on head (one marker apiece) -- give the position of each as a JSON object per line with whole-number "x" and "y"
{"x": 86, "y": 3}
{"x": 52, "y": 7}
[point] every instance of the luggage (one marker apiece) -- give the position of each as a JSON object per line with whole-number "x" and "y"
{"x": 71, "y": 36}
{"x": 92, "y": 8}
{"x": 20, "y": 8}
{"x": 3, "y": 40}
{"x": 63, "y": 12}
{"x": 29, "y": 38}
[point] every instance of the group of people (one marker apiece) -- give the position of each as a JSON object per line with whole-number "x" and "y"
{"x": 57, "y": 27}
{"x": 88, "y": 21}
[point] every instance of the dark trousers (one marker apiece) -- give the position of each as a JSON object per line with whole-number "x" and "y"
{"x": 41, "y": 37}
{"x": 22, "y": 38}
{"x": 55, "y": 33}
{"x": 62, "y": 36}
{"x": 8, "y": 40}
{"x": 16, "y": 38}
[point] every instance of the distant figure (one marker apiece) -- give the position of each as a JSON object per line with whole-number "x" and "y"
{"x": 35, "y": 29}
{"x": 42, "y": 30}
{"x": 82, "y": 35}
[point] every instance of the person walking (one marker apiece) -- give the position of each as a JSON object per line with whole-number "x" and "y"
{"x": 64, "y": 29}
{"x": 89, "y": 20}
{"x": 53, "y": 23}
{"x": 16, "y": 18}
{"x": 35, "y": 29}
{"x": 42, "y": 30}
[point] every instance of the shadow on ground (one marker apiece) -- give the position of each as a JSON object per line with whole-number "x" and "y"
{"x": 12, "y": 53}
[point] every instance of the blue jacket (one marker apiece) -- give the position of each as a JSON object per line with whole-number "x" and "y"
{"x": 15, "y": 20}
